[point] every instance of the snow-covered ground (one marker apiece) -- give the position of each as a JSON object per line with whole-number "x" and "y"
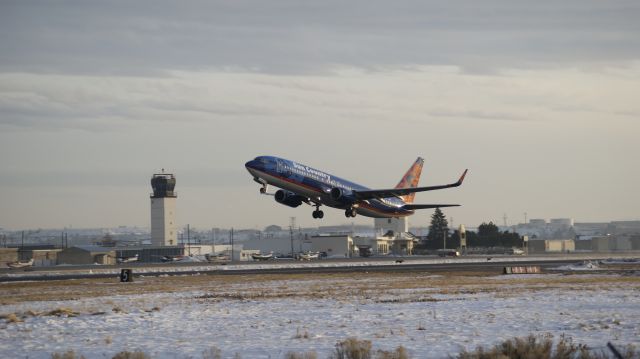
{"x": 431, "y": 322}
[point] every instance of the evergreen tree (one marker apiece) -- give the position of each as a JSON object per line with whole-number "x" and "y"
{"x": 439, "y": 226}
{"x": 488, "y": 229}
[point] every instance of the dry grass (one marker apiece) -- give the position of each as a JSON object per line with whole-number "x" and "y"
{"x": 352, "y": 348}
{"x": 212, "y": 353}
{"x": 12, "y": 318}
{"x": 131, "y": 355}
{"x": 301, "y": 334}
{"x": 307, "y": 355}
{"x": 69, "y": 354}
{"x": 60, "y": 312}
{"x": 532, "y": 347}
{"x": 399, "y": 353}
{"x": 541, "y": 347}
{"x": 19, "y": 317}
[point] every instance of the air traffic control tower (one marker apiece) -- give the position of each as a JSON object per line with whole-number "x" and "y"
{"x": 163, "y": 210}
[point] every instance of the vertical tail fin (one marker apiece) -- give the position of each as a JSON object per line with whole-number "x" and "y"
{"x": 410, "y": 179}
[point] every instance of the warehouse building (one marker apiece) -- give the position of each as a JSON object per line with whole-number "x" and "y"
{"x": 614, "y": 243}
{"x": 335, "y": 246}
{"x": 45, "y": 257}
{"x": 8, "y": 255}
{"x": 551, "y": 246}
{"x": 87, "y": 255}
{"x": 149, "y": 254}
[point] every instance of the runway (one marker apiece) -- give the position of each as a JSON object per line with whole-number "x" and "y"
{"x": 357, "y": 265}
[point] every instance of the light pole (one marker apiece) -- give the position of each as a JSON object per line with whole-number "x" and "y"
{"x": 232, "y": 258}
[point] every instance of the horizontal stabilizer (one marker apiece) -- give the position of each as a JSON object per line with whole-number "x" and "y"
{"x": 426, "y": 206}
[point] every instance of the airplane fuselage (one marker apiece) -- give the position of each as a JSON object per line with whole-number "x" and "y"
{"x": 316, "y": 186}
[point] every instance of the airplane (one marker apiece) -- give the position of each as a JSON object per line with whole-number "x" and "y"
{"x": 171, "y": 258}
{"x": 299, "y": 184}
{"x": 262, "y": 257}
{"x": 307, "y": 256}
{"x": 20, "y": 264}
{"x": 128, "y": 259}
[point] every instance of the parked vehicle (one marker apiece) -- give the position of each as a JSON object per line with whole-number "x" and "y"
{"x": 365, "y": 251}
{"x": 448, "y": 253}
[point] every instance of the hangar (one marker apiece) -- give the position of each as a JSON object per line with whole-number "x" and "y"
{"x": 8, "y": 255}
{"x": 335, "y": 246}
{"x": 87, "y": 255}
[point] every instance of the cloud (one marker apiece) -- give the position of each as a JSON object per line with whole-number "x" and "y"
{"x": 409, "y": 94}
{"x": 149, "y": 37}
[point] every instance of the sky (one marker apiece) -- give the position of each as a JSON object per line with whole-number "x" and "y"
{"x": 540, "y": 100}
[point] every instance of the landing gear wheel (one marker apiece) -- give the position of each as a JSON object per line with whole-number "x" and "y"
{"x": 317, "y": 213}
{"x": 350, "y": 212}
{"x": 263, "y": 189}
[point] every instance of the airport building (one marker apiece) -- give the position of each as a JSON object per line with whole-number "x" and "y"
{"x": 393, "y": 236}
{"x": 235, "y": 252}
{"x": 560, "y": 222}
{"x": 541, "y": 229}
{"x": 87, "y": 255}
{"x": 395, "y": 225}
{"x": 42, "y": 257}
{"x": 604, "y": 244}
{"x": 163, "y": 210}
{"x": 8, "y": 255}
{"x": 281, "y": 244}
{"x": 150, "y": 254}
{"x": 551, "y": 246}
{"x": 612, "y": 243}
{"x": 335, "y": 246}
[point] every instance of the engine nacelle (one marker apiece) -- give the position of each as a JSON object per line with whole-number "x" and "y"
{"x": 341, "y": 195}
{"x": 288, "y": 198}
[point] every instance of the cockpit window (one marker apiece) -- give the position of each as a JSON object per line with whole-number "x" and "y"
{"x": 261, "y": 159}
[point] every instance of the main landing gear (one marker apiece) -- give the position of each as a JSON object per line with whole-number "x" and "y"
{"x": 350, "y": 212}
{"x": 317, "y": 213}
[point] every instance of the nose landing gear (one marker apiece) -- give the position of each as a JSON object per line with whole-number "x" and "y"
{"x": 263, "y": 183}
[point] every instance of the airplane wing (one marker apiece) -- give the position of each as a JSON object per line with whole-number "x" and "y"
{"x": 426, "y": 206}
{"x": 397, "y": 192}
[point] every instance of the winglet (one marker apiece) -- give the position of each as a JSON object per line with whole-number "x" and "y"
{"x": 462, "y": 177}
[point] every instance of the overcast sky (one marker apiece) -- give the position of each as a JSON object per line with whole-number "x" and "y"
{"x": 540, "y": 100}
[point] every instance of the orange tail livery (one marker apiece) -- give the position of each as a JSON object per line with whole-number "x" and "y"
{"x": 411, "y": 179}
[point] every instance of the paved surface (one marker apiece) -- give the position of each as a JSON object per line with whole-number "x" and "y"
{"x": 408, "y": 264}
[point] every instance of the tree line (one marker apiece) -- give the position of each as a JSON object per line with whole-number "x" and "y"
{"x": 488, "y": 235}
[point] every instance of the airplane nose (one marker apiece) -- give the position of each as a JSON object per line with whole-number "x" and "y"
{"x": 251, "y": 164}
